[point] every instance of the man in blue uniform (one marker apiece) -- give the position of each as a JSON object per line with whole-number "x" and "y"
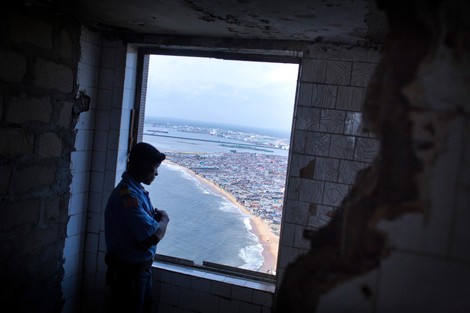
{"x": 133, "y": 227}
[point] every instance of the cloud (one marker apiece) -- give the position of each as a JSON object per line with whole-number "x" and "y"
{"x": 235, "y": 92}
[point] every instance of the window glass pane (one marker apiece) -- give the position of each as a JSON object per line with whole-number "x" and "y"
{"x": 225, "y": 127}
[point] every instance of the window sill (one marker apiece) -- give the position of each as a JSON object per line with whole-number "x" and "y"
{"x": 210, "y": 274}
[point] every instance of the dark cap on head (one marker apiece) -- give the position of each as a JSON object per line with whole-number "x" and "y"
{"x": 145, "y": 153}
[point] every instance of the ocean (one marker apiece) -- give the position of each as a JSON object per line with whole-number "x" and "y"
{"x": 204, "y": 226}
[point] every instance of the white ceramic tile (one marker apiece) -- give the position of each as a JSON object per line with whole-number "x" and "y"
{"x": 130, "y": 78}
{"x": 264, "y": 298}
{"x": 299, "y": 240}
{"x": 73, "y": 225}
{"x": 115, "y": 120}
{"x": 287, "y": 233}
{"x": 86, "y": 120}
{"x": 102, "y": 245}
{"x": 97, "y": 181}
{"x": 128, "y": 99}
{"x": 77, "y": 203}
{"x": 111, "y": 160}
{"x": 119, "y": 76}
{"x": 98, "y": 161}
{"x": 106, "y": 78}
{"x": 208, "y": 303}
{"x": 108, "y": 57}
{"x": 91, "y": 245}
{"x": 100, "y": 142}
{"x": 131, "y": 57}
{"x": 97, "y": 202}
{"x": 72, "y": 246}
{"x": 313, "y": 71}
{"x": 93, "y": 222}
{"x": 229, "y": 305}
{"x": 221, "y": 288}
{"x": 113, "y": 140}
{"x": 102, "y": 120}
{"x": 200, "y": 284}
{"x": 235, "y": 281}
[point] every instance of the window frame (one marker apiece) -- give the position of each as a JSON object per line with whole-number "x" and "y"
{"x": 138, "y": 116}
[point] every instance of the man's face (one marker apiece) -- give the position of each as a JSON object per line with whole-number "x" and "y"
{"x": 150, "y": 175}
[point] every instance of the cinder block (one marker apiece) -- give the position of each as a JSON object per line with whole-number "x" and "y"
{"x": 34, "y": 178}
{"x": 12, "y": 66}
{"x": 50, "y": 146}
{"x": 5, "y": 172}
{"x": 65, "y": 45}
{"x": 28, "y": 30}
{"x": 51, "y": 75}
{"x": 15, "y": 142}
{"x": 23, "y": 109}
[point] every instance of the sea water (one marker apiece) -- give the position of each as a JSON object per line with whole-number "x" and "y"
{"x": 203, "y": 226}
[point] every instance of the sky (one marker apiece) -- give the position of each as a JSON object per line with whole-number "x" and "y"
{"x": 253, "y": 94}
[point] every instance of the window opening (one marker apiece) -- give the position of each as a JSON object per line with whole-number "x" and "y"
{"x": 225, "y": 126}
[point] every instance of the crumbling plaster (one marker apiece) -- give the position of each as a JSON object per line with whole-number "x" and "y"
{"x": 418, "y": 107}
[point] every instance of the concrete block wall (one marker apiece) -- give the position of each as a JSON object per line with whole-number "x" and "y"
{"x": 329, "y": 145}
{"x": 38, "y": 58}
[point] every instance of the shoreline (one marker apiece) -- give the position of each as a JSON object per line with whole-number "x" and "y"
{"x": 268, "y": 240}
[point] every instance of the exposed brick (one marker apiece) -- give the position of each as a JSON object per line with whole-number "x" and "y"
{"x": 15, "y": 142}
{"x": 65, "y": 115}
{"x": 51, "y": 75}
{"x": 50, "y": 145}
{"x": 26, "y": 30}
{"x": 5, "y": 172}
{"x": 33, "y": 178}
{"x": 65, "y": 45}
{"x": 51, "y": 207}
{"x": 19, "y": 213}
{"x": 20, "y": 110}
{"x": 12, "y": 66}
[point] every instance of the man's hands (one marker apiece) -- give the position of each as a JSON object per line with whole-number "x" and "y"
{"x": 162, "y": 218}
{"x": 160, "y": 215}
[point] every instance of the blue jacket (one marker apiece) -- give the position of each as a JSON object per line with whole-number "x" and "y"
{"x": 129, "y": 221}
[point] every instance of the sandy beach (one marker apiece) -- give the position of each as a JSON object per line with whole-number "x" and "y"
{"x": 268, "y": 240}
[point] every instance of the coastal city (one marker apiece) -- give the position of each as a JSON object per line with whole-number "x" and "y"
{"x": 256, "y": 179}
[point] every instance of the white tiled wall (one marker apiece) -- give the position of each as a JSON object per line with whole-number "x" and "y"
{"x": 327, "y": 137}
{"x": 328, "y": 110}
{"x": 81, "y": 162}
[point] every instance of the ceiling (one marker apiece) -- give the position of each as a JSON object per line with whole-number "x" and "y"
{"x": 344, "y": 21}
